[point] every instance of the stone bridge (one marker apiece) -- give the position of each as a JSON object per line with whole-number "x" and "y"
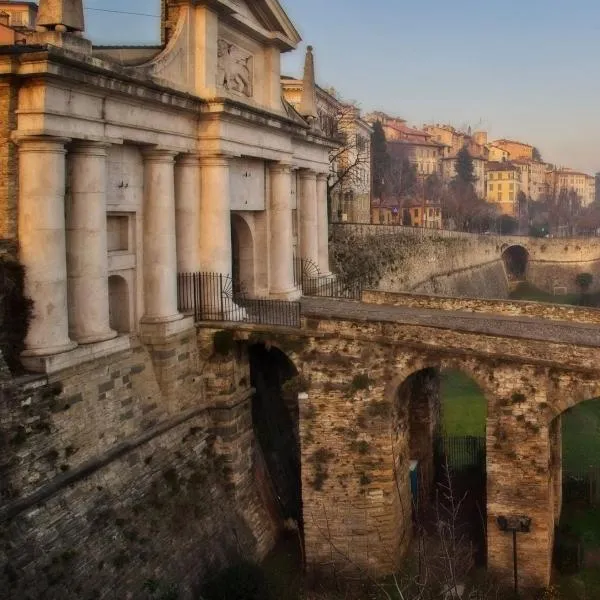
{"x": 145, "y": 461}
{"x": 370, "y": 408}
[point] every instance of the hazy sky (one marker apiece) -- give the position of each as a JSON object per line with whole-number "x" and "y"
{"x": 526, "y": 69}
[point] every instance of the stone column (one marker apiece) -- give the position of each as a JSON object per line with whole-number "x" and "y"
{"x": 87, "y": 254}
{"x": 42, "y": 243}
{"x": 309, "y": 238}
{"x": 281, "y": 253}
{"x": 322, "y": 224}
{"x": 160, "y": 251}
{"x": 215, "y": 216}
{"x": 187, "y": 210}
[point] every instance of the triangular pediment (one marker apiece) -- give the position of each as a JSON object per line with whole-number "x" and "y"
{"x": 267, "y": 15}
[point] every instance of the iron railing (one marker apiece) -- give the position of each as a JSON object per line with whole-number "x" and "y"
{"x": 313, "y": 283}
{"x": 214, "y": 297}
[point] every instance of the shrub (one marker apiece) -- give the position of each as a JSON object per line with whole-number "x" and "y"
{"x": 243, "y": 581}
{"x": 15, "y": 312}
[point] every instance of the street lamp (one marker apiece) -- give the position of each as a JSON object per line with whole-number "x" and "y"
{"x": 515, "y": 524}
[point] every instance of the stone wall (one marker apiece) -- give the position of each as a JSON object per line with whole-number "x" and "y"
{"x": 462, "y": 264}
{"x": 134, "y": 468}
{"x": 512, "y": 308}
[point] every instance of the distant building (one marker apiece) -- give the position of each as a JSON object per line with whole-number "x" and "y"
{"x": 415, "y": 145}
{"x": 503, "y": 186}
{"x": 564, "y": 179}
{"x": 533, "y": 178}
{"x": 15, "y": 19}
{"x": 351, "y": 164}
{"x": 496, "y": 153}
{"x": 515, "y": 149}
{"x": 411, "y": 212}
{"x": 453, "y": 141}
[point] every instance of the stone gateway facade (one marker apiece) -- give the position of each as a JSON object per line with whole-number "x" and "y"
{"x": 146, "y": 169}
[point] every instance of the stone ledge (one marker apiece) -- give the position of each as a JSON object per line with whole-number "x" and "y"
{"x": 157, "y": 333}
{"x": 81, "y": 354}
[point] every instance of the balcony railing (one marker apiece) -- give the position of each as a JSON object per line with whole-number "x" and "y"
{"x": 213, "y": 297}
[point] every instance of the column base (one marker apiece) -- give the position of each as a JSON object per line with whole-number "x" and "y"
{"x": 150, "y": 320}
{"x": 154, "y": 333}
{"x": 75, "y": 355}
{"x": 290, "y": 295}
{"x": 48, "y": 350}
{"x": 94, "y": 338}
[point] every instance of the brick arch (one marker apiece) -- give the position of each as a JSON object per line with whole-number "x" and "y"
{"x": 471, "y": 368}
{"x": 567, "y": 390}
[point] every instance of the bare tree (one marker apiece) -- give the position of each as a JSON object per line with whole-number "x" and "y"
{"x": 350, "y": 163}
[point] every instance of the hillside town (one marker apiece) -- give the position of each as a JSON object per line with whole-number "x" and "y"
{"x": 387, "y": 172}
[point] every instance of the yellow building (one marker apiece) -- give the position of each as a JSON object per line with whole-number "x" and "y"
{"x": 422, "y": 214}
{"x": 496, "y": 153}
{"x": 503, "y": 186}
{"x": 515, "y": 149}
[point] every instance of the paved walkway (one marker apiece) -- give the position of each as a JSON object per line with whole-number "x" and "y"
{"x": 487, "y": 324}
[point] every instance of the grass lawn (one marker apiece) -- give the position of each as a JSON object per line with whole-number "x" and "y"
{"x": 464, "y": 408}
{"x": 581, "y": 436}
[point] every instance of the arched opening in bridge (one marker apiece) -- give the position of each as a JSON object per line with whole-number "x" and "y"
{"x": 516, "y": 259}
{"x": 574, "y": 465}
{"x": 118, "y": 304}
{"x": 242, "y": 252}
{"x": 275, "y": 417}
{"x": 444, "y": 413}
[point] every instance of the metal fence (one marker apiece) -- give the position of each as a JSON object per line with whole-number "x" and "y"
{"x": 582, "y": 485}
{"x": 213, "y": 297}
{"x": 463, "y": 452}
{"x": 313, "y": 283}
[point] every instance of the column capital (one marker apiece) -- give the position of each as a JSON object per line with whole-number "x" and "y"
{"x": 89, "y": 147}
{"x": 322, "y": 176}
{"x": 280, "y": 167}
{"x": 307, "y": 174}
{"x": 160, "y": 155}
{"x": 191, "y": 159}
{"x": 41, "y": 143}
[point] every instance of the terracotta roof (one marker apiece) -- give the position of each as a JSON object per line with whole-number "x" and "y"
{"x": 505, "y": 141}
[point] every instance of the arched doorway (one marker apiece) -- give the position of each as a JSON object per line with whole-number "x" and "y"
{"x": 118, "y": 304}
{"x": 516, "y": 259}
{"x": 444, "y": 412}
{"x": 242, "y": 252}
{"x": 575, "y": 494}
{"x": 275, "y": 417}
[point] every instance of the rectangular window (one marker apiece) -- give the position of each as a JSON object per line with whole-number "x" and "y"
{"x": 511, "y": 196}
{"x": 491, "y": 187}
{"x": 512, "y": 186}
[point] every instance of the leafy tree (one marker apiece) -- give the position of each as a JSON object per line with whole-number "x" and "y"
{"x": 465, "y": 171}
{"x": 584, "y": 281}
{"x": 536, "y": 155}
{"x": 380, "y": 158}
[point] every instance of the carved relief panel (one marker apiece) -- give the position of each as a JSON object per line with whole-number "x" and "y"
{"x": 235, "y": 69}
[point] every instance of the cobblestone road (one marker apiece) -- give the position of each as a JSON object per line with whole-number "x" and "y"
{"x": 487, "y": 324}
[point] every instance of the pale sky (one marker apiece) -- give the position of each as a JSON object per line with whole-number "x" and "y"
{"x": 524, "y": 69}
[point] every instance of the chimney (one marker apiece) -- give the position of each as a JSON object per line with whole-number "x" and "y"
{"x": 60, "y": 15}
{"x": 308, "y": 104}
